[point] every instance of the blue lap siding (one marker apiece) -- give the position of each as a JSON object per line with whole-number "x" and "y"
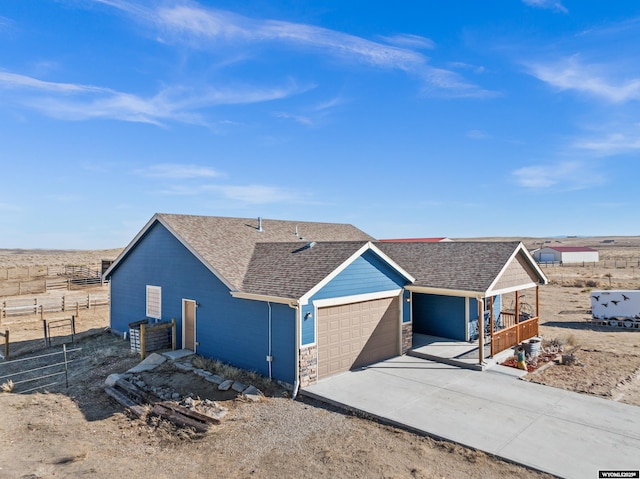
{"x": 366, "y": 274}
{"x": 232, "y": 330}
{"x": 439, "y": 315}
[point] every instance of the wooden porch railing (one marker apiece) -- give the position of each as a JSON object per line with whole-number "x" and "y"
{"x": 513, "y": 333}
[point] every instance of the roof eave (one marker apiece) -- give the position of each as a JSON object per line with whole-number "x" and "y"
{"x": 365, "y": 247}
{"x": 158, "y": 218}
{"x": 264, "y": 298}
{"x": 445, "y": 291}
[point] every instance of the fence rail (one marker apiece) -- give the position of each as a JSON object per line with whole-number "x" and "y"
{"x": 602, "y": 264}
{"x": 13, "y": 381}
{"x": 26, "y": 306}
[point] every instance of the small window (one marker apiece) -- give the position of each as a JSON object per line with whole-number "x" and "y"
{"x": 154, "y": 302}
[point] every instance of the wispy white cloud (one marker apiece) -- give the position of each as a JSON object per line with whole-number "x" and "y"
{"x": 572, "y": 74}
{"x": 547, "y": 4}
{"x": 303, "y": 120}
{"x": 208, "y": 28}
{"x": 477, "y": 135}
{"x": 179, "y": 171}
{"x": 618, "y": 140}
{"x": 80, "y": 102}
{"x": 410, "y": 41}
{"x": 249, "y": 194}
{"x": 565, "y": 175}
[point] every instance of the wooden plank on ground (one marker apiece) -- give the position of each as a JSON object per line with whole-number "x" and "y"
{"x": 178, "y": 418}
{"x": 135, "y": 391}
{"x": 125, "y": 401}
{"x": 190, "y": 413}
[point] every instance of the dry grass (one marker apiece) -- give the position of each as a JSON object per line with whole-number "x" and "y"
{"x": 228, "y": 371}
{"x": 7, "y": 387}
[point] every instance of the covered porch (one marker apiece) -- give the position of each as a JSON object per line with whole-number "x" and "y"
{"x": 513, "y": 325}
{"x": 475, "y": 315}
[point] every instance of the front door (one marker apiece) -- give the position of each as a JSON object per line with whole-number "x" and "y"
{"x": 189, "y": 325}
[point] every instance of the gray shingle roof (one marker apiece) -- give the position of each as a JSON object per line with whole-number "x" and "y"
{"x": 466, "y": 266}
{"x": 227, "y": 244}
{"x": 290, "y": 270}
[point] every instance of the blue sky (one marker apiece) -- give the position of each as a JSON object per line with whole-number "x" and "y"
{"x": 407, "y": 119}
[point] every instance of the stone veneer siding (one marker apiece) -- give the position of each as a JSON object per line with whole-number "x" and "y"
{"x": 308, "y": 365}
{"x": 407, "y": 337}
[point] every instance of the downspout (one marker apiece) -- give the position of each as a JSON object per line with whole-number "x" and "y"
{"x": 296, "y": 384}
{"x": 481, "y": 330}
{"x": 269, "y": 356}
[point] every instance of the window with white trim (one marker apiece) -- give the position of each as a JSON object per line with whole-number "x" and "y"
{"x": 154, "y": 302}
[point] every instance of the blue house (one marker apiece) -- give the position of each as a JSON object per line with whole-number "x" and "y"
{"x": 301, "y": 301}
{"x": 296, "y": 301}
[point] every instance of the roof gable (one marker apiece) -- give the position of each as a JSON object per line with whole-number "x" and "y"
{"x": 294, "y": 271}
{"x": 226, "y": 245}
{"x": 471, "y": 267}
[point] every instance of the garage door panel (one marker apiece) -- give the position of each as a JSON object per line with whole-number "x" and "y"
{"x": 357, "y": 334}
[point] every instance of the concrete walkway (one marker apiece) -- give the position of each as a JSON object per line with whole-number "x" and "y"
{"x": 564, "y": 433}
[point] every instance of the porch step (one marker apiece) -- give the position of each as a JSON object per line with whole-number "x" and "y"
{"x": 450, "y": 361}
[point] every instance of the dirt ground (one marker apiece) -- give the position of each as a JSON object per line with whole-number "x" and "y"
{"x": 81, "y": 432}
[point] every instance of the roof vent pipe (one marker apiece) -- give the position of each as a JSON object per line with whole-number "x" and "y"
{"x": 259, "y": 223}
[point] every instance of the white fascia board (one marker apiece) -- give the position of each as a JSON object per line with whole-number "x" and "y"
{"x": 356, "y": 298}
{"x": 144, "y": 230}
{"x": 130, "y": 246}
{"x": 264, "y": 298}
{"x": 367, "y": 246}
{"x": 512, "y": 289}
{"x": 445, "y": 292}
{"x": 528, "y": 258}
{"x": 391, "y": 262}
{"x": 194, "y": 253}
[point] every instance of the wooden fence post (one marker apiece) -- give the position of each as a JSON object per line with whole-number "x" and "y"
{"x": 142, "y": 345}
{"x": 6, "y": 344}
{"x": 44, "y": 325}
{"x": 77, "y": 309}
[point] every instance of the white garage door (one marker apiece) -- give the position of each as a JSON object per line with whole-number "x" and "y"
{"x": 357, "y": 334}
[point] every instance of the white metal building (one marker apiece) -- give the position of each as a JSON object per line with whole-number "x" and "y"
{"x": 566, "y": 254}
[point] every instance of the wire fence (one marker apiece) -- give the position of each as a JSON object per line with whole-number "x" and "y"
{"x": 37, "y": 372}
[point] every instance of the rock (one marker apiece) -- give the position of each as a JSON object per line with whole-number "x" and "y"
{"x": 225, "y": 385}
{"x": 252, "y": 393}
{"x": 238, "y": 386}
{"x": 215, "y": 379}
{"x": 141, "y": 384}
{"x": 217, "y": 414}
{"x": 184, "y": 366}
{"x": 149, "y": 363}
{"x": 188, "y": 402}
{"x": 175, "y": 396}
{"x": 111, "y": 379}
{"x": 202, "y": 373}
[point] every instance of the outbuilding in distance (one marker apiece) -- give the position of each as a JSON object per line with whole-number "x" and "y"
{"x": 566, "y": 254}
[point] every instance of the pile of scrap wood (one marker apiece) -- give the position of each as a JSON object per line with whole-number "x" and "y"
{"x": 141, "y": 403}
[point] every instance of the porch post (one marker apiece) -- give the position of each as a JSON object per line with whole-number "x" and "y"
{"x": 481, "y": 330}
{"x": 491, "y": 322}
{"x": 537, "y": 301}
{"x": 491, "y": 317}
{"x": 517, "y": 317}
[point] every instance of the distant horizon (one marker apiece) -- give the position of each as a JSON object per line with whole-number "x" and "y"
{"x": 506, "y": 238}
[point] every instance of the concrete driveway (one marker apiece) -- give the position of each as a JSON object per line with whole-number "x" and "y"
{"x": 564, "y": 433}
